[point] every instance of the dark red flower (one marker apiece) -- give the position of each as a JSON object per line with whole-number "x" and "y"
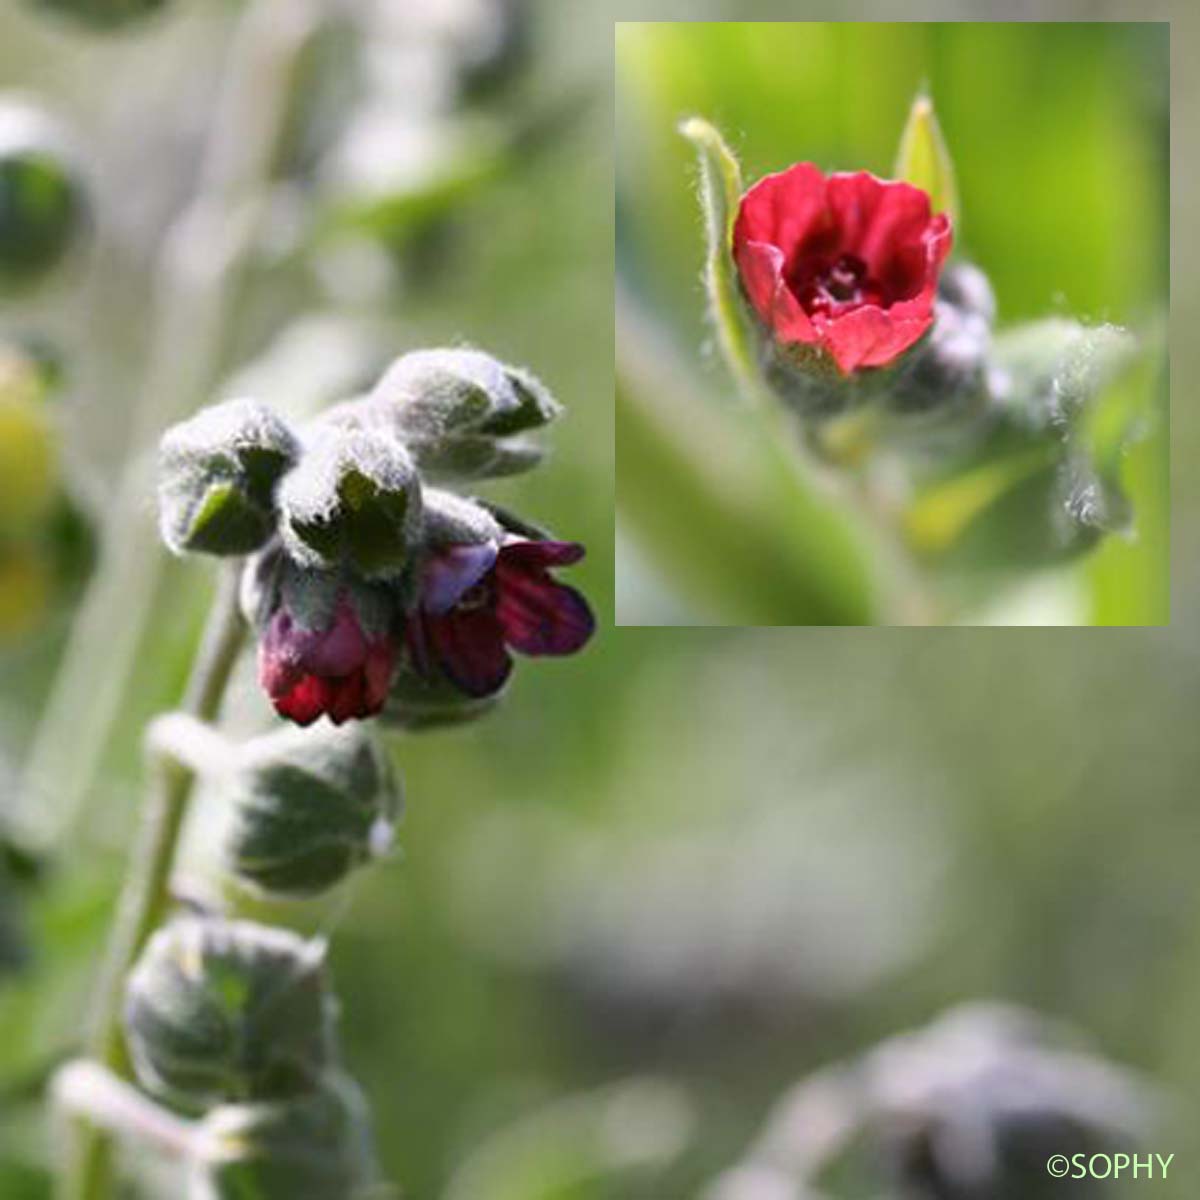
{"x": 479, "y": 600}
{"x": 338, "y": 670}
{"x": 848, "y": 262}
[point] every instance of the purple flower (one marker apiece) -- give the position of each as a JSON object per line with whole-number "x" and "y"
{"x": 479, "y": 600}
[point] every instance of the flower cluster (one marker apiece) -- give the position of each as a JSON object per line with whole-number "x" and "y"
{"x": 367, "y": 582}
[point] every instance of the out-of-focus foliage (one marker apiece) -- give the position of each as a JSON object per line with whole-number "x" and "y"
{"x": 1062, "y": 182}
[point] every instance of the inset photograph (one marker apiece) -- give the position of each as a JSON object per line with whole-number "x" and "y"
{"x": 891, "y": 324}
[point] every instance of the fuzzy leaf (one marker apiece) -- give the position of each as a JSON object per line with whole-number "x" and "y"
{"x": 720, "y": 194}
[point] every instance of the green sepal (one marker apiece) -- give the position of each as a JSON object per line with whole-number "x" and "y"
{"x": 218, "y": 473}
{"x": 313, "y": 1147}
{"x": 451, "y": 519}
{"x": 354, "y": 499}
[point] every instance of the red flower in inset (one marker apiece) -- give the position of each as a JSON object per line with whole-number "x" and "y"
{"x": 338, "y": 670}
{"x": 848, "y": 262}
{"x": 477, "y": 600}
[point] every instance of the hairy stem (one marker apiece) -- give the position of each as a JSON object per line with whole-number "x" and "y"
{"x": 89, "y": 1091}
{"x": 146, "y": 895}
{"x": 199, "y": 272}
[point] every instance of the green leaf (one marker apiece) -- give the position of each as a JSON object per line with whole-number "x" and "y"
{"x": 924, "y": 159}
{"x": 720, "y": 194}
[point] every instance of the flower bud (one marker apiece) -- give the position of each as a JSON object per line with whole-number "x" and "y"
{"x": 217, "y": 478}
{"x": 42, "y": 205}
{"x": 923, "y": 159}
{"x": 219, "y": 1010}
{"x": 316, "y": 1147}
{"x": 354, "y": 499}
{"x": 309, "y": 808}
{"x": 102, "y": 14}
{"x": 458, "y": 412}
{"x": 328, "y": 639}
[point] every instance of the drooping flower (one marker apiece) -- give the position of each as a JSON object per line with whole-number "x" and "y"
{"x": 479, "y": 600}
{"x": 336, "y": 668}
{"x": 846, "y": 262}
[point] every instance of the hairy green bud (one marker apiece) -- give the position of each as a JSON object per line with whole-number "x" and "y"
{"x": 459, "y": 412}
{"x": 42, "y": 205}
{"x": 354, "y": 498}
{"x": 309, "y": 807}
{"x": 316, "y": 1147}
{"x": 218, "y": 473}
{"x": 219, "y": 1010}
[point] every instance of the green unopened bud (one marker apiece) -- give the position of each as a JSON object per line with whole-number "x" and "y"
{"x": 220, "y": 1010}
{"x": 102, "y": 14}
{"x": 218, "y": 473}
{"x": 317, "y": 1147}
{"x": 415, "y": 702}
{"x": 309, "y": 807}
{"x": 924, "y": 159}
{"x": 354, "y": 498}
{"x": 458, "y": 411}
{"x": 42, "y": 205}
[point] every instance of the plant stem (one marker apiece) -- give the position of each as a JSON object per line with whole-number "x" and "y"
{"x": 88, "y": 1090}
{"x": 201, "y": 265}
{"x": 146, "y": 895}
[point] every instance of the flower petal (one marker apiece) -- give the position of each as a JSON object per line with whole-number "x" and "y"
{"x": 523, "y": 554}
{"x": 452, "y": 571}
{"x": 305, "y": 702}
{"x": 469, "y": 648}
{"x": 540, "y": 616}
{"x": 761, "y": 269}
{"x": 782, "y": 209}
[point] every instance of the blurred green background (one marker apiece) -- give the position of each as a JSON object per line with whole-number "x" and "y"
{"x": 1059, "y": 136}
{"x": 718, "y": 858}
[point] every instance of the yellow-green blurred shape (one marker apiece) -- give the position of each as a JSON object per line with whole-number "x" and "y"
{"x": 924, "y": 159}
{"x": 28, "y": 452}
{"x": 24, "y": 592}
